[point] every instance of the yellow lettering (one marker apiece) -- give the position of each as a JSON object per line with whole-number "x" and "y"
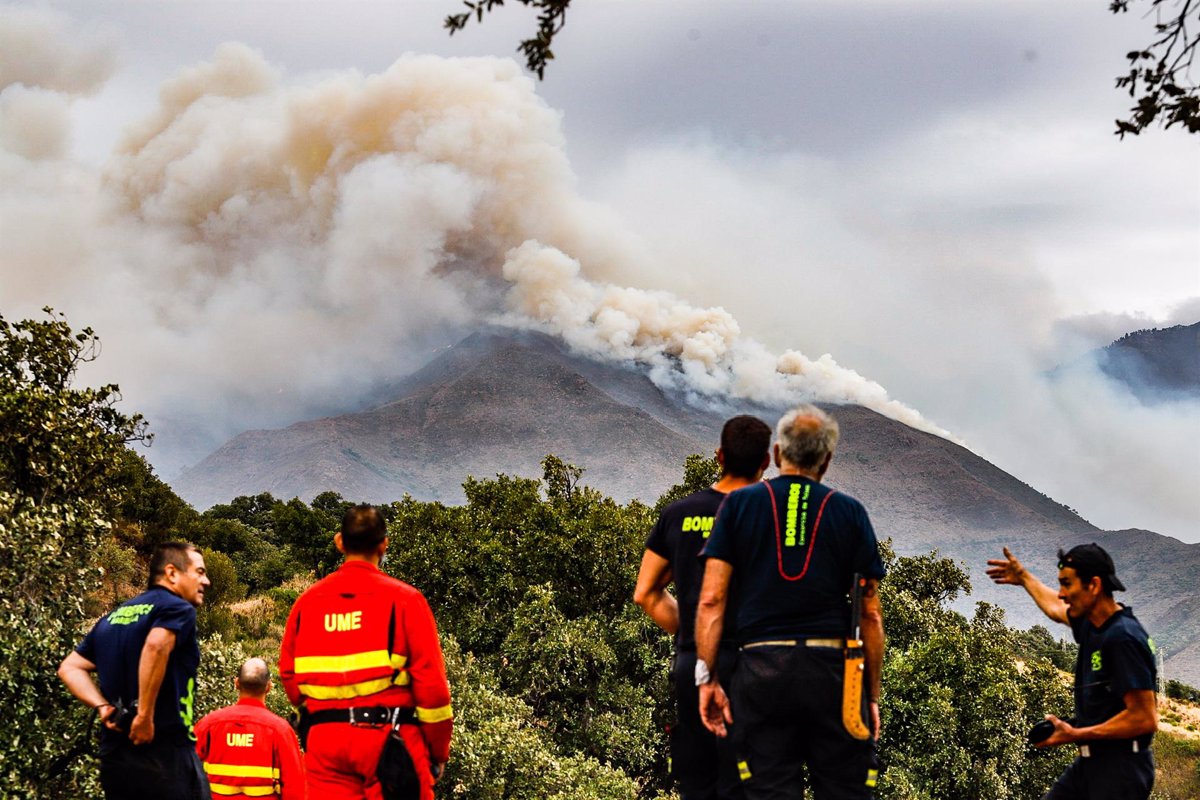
{"x": 239, "y": 739}
{"x": 687, "y": 524}
{"x": 351, "y": 621}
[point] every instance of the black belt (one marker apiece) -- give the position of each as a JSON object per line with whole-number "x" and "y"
{"x": 363, "y": 715}
{"x": 1098, "y": 747}
{"x": 798, "y": 641}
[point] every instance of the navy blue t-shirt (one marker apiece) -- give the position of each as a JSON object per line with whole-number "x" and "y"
{"x": 679, "y": 536}
{"x": 114, "y": 645}
{"x": 1115, "y": 658}
{"x": 793, "y": 567}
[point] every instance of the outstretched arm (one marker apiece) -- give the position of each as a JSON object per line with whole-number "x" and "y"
{"x": 1009, "y": 570}
{"x": 651, "y": 592}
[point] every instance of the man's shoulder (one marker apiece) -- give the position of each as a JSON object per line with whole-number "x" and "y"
{"x": 848, "y": 501}
{"x": 1126, "y": 627}
{"x": 703, "y": 502}
{"x": 242, "y": 712}
{"x": 337, "y": 581}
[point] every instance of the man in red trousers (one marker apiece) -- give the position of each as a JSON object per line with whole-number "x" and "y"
{"x": 362, "y": 661}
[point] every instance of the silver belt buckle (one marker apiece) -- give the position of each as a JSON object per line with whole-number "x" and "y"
{"x": 1085, "y": 751}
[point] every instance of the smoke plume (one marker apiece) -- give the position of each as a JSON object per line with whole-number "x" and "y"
{"x": 254, "y": 251}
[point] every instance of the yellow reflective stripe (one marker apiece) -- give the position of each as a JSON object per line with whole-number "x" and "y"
{"x": 872, "y": 776}
{"x": 348, "y": 663}
{"x": 248, "y": 791}
{"x": 241, "y": 771}
{"x": 342, "y": 692}
{"x": 434, "y": 714}
{"x": 743, "y": 770}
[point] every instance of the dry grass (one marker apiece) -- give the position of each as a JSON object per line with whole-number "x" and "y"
{"x": 1177, "y": 751}
{"x": 1178, "y": 718}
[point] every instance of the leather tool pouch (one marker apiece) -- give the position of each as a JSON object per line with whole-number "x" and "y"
{"x": 396, "y": 772}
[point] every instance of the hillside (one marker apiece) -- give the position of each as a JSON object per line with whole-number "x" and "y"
{"x": 1156, "y": 365}
{"x": 498, "y": 402}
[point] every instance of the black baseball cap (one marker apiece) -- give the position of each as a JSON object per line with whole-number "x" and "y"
{"x": 1091, "y": 559}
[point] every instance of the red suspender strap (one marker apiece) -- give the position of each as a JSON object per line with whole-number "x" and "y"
{"x": 778, "y": 540}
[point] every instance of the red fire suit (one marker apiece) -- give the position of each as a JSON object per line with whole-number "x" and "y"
{"x": 250, "y": 753}
{"x": 361, "y": 639}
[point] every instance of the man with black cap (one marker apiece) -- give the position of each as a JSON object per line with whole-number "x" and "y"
{"x": 1116, "y": 714}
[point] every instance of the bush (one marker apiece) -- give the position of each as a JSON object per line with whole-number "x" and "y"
{"x": 60, "y": 451}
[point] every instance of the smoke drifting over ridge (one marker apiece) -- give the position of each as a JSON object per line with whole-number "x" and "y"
{"x": 942, "y": 254}
{"x": 255, "y": 250}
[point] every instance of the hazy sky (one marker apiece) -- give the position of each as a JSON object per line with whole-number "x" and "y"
{"x": 929, "y": 192}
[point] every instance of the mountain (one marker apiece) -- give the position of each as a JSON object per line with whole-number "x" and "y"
{"x": 499, "y": 401}
{"x": 1156, "y": 365}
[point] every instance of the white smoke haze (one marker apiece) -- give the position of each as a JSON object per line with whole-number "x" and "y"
{"x": 965, "y": 327}
{"x": 256, "y": 250}
{"x": 262, "y": 248}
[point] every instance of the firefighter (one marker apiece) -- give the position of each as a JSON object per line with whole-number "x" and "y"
{"x": 790, "y": 548}
{"x": 247, "y": 751}
{"x": 704, "y": 766}
{"x": 145, "y": 653}
{"x": 1116, "y": 713}
{"x": 362, "y": 662}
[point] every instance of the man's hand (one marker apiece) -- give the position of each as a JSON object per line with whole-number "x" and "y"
{"x": 108, "y": 716}
{"x": 141, "y": 731}
{"x": 1007, "y": 570}
{"x": 714, "y": 708}
{"x": 437, "y": 769}
{"x": 1063, "y": 733}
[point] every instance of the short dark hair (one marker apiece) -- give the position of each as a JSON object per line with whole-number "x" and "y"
{"x": 174, "y": 553}
{"x": 363, "y": 528}
{"x": 253, "y": 676}
{"x": 745, "y": 441}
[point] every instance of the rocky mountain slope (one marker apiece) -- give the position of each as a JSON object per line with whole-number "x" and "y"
{"x": 499, "y": 402}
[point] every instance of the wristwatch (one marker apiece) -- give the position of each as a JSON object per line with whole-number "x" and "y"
{"x": 703, "y": 676}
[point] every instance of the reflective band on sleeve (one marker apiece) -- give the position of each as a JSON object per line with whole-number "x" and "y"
{"x": 241, "y": 771}
{"x": 435, "y": 714}
{"x": 744, "y": 770}
{"x": 349, "y": 663}
{"x": 872, "y": 776}
{"x": 248, "y": 791}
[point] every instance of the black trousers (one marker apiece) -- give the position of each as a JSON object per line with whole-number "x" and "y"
{"x": 155, "y": 771}
{"x": 787, "y": 706}
{"x": 1106, "y": 775}
{"x": 704, "y": 766}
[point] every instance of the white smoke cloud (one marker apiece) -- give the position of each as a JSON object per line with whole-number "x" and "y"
{"x": 953, "y": 313}
{"x": 700, "y": 351}
{"x": 42, "y": 48}
{"x": 255, "y": 250}
{"x": 261, "y": 249}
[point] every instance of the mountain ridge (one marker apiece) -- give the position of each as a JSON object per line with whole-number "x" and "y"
{"x": 499, "y": 401}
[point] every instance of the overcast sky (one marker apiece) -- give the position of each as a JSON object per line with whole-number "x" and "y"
{"x": 930, "y": 192}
